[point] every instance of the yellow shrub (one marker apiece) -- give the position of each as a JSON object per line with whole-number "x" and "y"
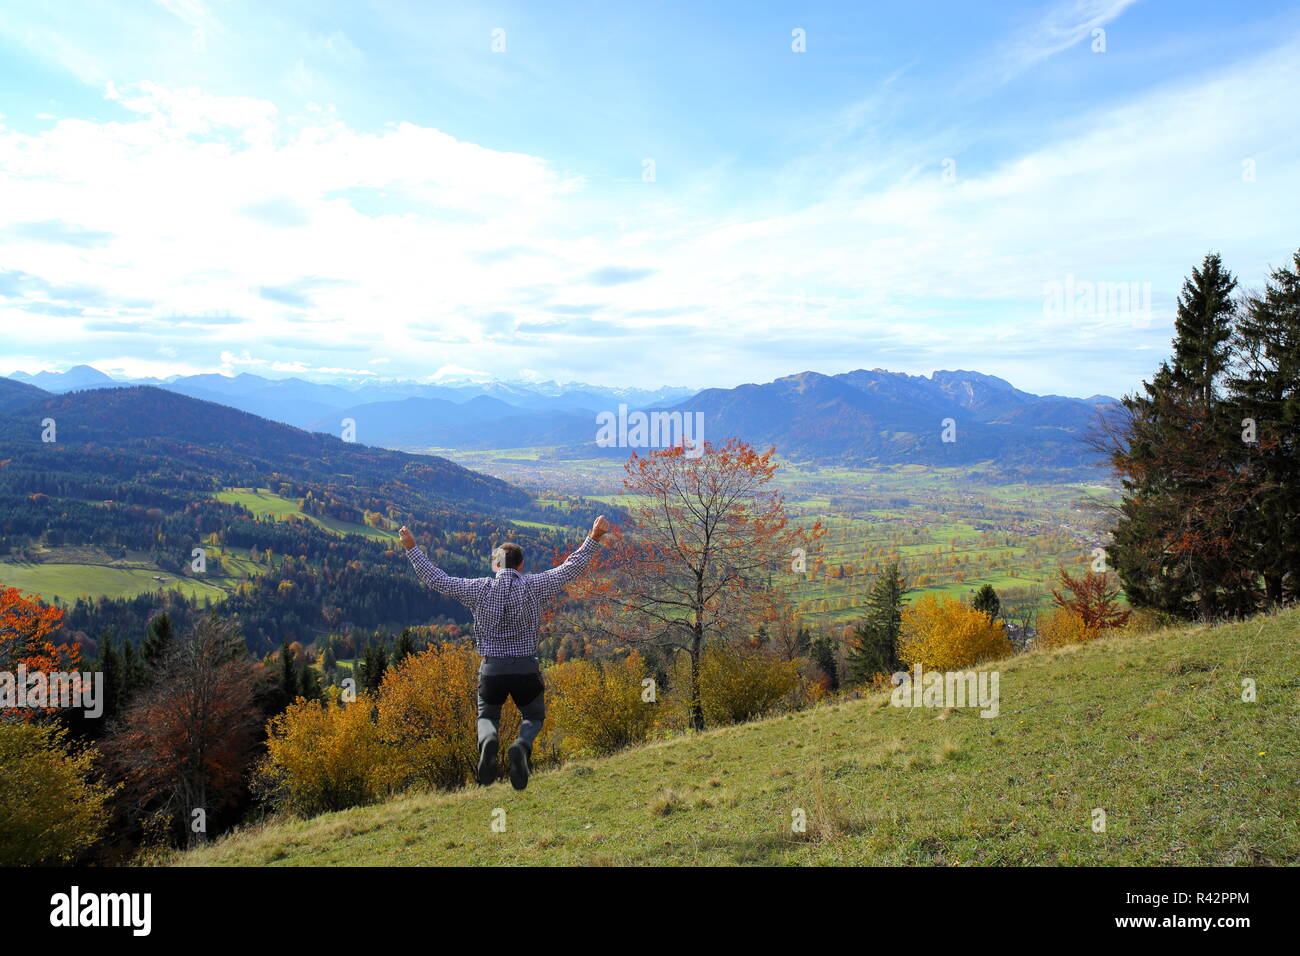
{"x": 949, "y": 635}
{"x": 49, "y": 811}
{"x": 597, "y": 705}
{"x": 738, "y": 684}
{"x": 428, "y": 712}
{"x": 812, "y": 688}
{"x": 1062, "y": 627}
{"x": 324, "y": 756}
{"x": 1145, "y": 620}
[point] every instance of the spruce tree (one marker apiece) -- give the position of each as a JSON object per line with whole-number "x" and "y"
{"x": 159, "y": 638}
{"x": 1265, "y": 398}
{"x": 822, "y": 654}
{"x": 309, "y": 682}
{"x": 329, "y": 662}
{"x": 404, "y": 648}
{"x": 373, "y": 667}
{"x": 1177, "y": 546}
{"x": 289, "y": 686}
{"x": 115, "y": 690}
{"x": 875, "y": 637}
{"x": 986, "y": 599}
{"x": 1203, "y": 328}
{"x": 134, "y": 670}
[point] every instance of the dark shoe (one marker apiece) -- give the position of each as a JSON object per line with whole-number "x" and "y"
{"x": 519, "y": 754}
{"x": 487, "y": 760}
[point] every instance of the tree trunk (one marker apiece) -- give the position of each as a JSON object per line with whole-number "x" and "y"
{"x": 1273, "y": 589}
{"x": 697, "y": 701}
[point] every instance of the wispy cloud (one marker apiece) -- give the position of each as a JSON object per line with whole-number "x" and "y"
{"x": 1062, "y": 27}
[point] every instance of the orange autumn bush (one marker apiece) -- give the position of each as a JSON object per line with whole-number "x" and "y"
{"x": 51, "y": 807}
{"x": 1064, "y": 626}
{"x": 417, "y": 731}
{"x": 326, "y": 756}
{"x": 427, "y": 712}
{"x": 25, "y": 626}
{"x": 949, "y": 635}
{"x": 598, "y": 706}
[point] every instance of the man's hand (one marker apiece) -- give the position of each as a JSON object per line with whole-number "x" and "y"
{"x": 408, "y": 539}
{"x": 600, "y": 528}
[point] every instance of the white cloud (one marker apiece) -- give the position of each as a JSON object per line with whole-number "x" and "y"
{"x": 407, "y": 243}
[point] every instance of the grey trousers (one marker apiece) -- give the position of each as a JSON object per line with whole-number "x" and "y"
{"x": 520, "y": 679}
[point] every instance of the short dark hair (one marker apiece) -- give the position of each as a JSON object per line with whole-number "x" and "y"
{"x": 514, "y": 555}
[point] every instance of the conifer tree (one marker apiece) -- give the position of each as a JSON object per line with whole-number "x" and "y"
{"x": 1265, "y": 397}
{"x": 1178, "y": 544}
{"x": 404, "y": 648}
{"x": 986, "y": 599}
{"x": 115, "y": 689}
{"x": 822, "y": 654}
{"x": 373, "y": 667}
{"x": 159, "y": 638}
{"x": 1203, "y": 328}
{"x": 289, "y": 686}
{"x": 875, "y": 637}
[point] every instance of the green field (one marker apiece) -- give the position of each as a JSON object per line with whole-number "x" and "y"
{"x": 264, "y": 503}
{"x": 520, "y": 523}
{"x": 73, "y": 580}
{"x": 1151, "y": 729}
{"x": 76, "y": 571}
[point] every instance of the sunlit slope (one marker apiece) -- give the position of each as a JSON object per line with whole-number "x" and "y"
{"x": 1151, "y": 729}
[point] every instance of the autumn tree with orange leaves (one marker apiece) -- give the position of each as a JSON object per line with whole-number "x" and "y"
{"x": 25, "y": 626}
{"x": 1093, "y": 598}
{"x": 187, "y": 742}
{"x": 698, "y": 562}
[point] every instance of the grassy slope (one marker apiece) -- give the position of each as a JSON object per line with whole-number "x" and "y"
{"x": 71, "y": 572}
{"x": 263, "y": 502}
{"x": 1150, "y": 728}
{"x": 69, "y": 581}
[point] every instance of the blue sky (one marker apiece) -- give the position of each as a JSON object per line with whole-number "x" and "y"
{"x": 634, "y": 193}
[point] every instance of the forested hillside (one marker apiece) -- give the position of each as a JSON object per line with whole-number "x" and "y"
{"x": 135, "y": 475}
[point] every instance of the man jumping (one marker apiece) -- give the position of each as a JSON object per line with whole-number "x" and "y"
{"x": 507, "y": 610}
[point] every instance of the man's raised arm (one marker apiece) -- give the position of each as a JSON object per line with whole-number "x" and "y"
{"x": 464, "y": 590}
{"x": 551, "y": 582}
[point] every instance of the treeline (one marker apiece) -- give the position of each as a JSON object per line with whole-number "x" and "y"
{"x": 1209, "y": 454}
{"x": 293, "y": 601}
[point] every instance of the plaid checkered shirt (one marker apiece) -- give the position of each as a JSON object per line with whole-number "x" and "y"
{"x": 507, "y": 609}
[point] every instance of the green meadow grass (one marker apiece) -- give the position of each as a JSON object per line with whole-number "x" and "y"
{"x": 265, "y": 503}
{"x": 520, "y": 523}
{"x": 70, "y": 581}
{"x": 1151, "y": 729}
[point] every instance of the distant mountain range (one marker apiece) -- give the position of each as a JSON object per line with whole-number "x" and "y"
{"x": 312, "y": 405}
{"x": 860, "y": 417}
{"x": 949, "y": 418}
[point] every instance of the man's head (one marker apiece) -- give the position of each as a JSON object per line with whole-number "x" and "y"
{"x": 508, "y": 555}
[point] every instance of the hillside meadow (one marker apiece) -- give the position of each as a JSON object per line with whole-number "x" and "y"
{"x": 1151, "y": 728}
